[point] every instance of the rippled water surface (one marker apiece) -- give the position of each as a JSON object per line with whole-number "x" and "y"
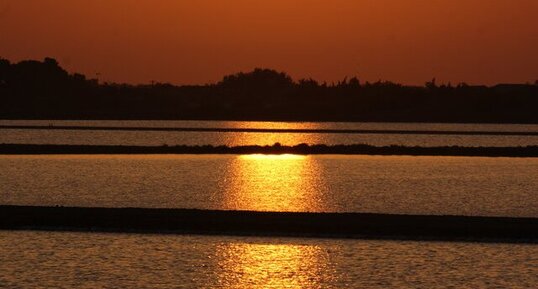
{"x": 156, "y": 138}
{"x": 284, "y": 125}
{"x": 386, "y": 184}
{"x": 88, "y": 260}
{"x": 382, "y": 184}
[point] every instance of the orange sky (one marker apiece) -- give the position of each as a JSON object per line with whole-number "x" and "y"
{"x": 199, "y": 41}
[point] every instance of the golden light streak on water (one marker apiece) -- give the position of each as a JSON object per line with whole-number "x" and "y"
{"x": 259, "y": 265}
{"x": 273, "y": 183}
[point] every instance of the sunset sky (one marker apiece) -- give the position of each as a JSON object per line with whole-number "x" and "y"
{"x": 199, "y": 41}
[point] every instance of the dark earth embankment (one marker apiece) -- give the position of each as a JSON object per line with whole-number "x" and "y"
{"x": 333, "y": 225}
{"x": 301, "y": 149}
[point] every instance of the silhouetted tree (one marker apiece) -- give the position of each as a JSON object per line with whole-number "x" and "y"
{"x": 354, "y": 82}
{"x": 259, "y": 78}
{"x": 308, "y": 83}
{"x": 431, "y": 84}
{"x": 5, "y": 67}
{"x": 34, "y": 89}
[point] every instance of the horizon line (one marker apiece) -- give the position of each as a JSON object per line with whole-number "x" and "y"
{"x": 295, "y": 80}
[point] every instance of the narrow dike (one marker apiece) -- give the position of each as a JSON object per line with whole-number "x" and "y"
{"x": 301, "y": 149}
{"x": 251, "y": 223}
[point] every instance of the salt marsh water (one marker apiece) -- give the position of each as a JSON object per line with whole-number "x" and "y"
{"x": 92, "y": 260}
{"x": 328, "y": 183}
{"x": 157, "y": 138}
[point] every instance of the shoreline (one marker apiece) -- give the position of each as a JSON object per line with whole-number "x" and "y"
{"x": 277, "y": 224}
{"x": 301, "y": 149}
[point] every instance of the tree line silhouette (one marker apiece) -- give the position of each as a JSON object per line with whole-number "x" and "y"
{"x": 43, "y": 90}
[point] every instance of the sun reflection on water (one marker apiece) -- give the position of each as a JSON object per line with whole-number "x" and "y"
{"x": 258, "y": 265}
{"x": 272, "y": 138}
{"x": 273, "y": 157}
{"x": 274, "y": 183}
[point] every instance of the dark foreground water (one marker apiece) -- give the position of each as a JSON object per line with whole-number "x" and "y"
{"x": 90, "y": 260}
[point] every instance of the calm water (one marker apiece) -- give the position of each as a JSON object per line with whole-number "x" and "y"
{"x": 233, "y": 138}
{"x": 387, "y": 184}
{"x": 281, "y": 125}
{"x": 84, "y": 260}
{"x": 383, "y": 184}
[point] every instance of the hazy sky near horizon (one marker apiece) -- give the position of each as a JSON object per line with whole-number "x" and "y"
{"x": 199, "y": 41}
